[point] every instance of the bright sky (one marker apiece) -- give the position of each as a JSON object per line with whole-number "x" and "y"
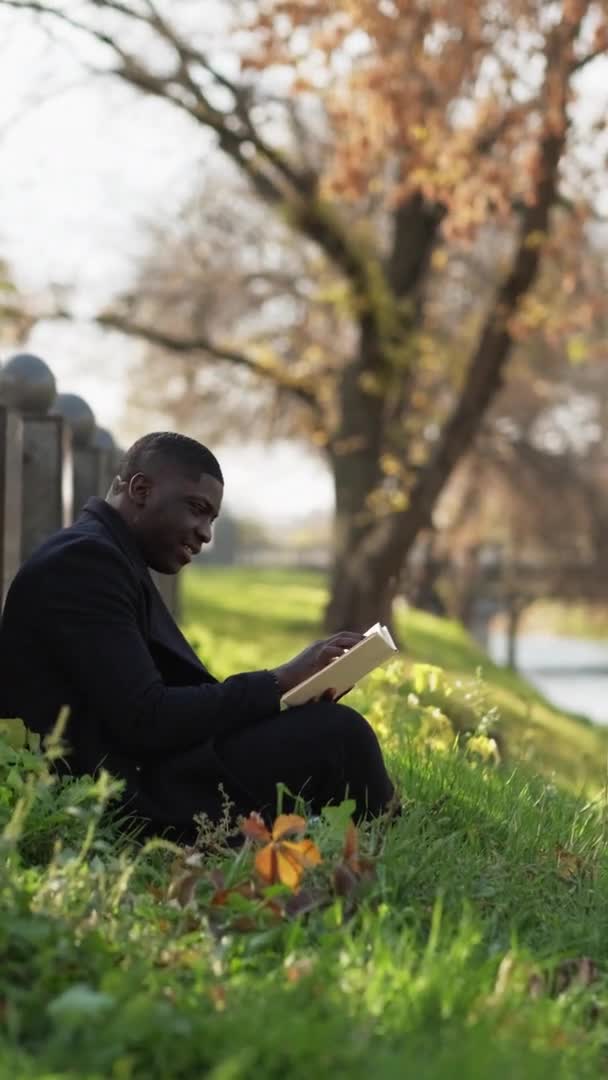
{"x": 82, "y": 171}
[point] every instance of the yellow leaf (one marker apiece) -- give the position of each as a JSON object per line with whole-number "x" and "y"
{"x": 266, "y": 864}
{"x": 289, "y": 868}
{"x": 577, "y": 350}
{"x": 419, "y": 132}
{"x": 286, "y": 824}
{"x": 439, "y": 259}
{"x": 535, "y": 239}
{"x": 390, "y": 465}
{"x": 305, "y": 851}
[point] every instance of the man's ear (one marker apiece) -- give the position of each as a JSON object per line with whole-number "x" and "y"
{"x": 139, "y": 489}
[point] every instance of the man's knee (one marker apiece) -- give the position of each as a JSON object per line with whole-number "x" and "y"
{"x": 352, "y": 724}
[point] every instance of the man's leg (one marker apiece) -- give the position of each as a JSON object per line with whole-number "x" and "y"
{"x": 320, "y": 750}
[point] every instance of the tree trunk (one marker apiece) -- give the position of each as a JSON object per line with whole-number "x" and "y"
{"x": 357, "y": 586}
{"x": 360, "y": 593}
{"x": 515, "y": 610}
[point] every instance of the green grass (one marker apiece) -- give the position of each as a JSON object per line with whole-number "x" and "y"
{"x": 574, "y": 620}
{"x": 242, "y": 619}
{"x": 460, "y": 955}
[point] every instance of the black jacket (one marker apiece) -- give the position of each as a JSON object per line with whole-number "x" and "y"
{"x": 84, "y": 626}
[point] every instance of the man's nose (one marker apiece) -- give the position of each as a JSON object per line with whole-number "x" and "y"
{"x": 203, "y": 532}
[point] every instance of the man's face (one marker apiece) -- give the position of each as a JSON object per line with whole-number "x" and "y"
{"x": 174, "y": 517}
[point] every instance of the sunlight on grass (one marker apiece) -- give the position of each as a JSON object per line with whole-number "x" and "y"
{"x": 245, "y": 619}
{"x": 472, "y": 939}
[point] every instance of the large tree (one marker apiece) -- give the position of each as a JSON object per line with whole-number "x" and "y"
{"x": 387, "y": 136}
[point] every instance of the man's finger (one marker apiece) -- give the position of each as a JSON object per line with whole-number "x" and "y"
{"x": 345, "y": 637}
{"x": 330, "y": 652}
{"x": 343, "y": 694}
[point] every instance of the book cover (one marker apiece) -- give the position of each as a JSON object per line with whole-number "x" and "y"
{"x": 374, "y": 649}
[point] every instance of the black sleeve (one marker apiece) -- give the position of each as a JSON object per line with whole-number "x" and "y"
{"x": 88, "y": 604}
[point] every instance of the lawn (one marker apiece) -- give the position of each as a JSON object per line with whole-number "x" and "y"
{"x": 242, "y": 619}
{"x": 466, "y": 937}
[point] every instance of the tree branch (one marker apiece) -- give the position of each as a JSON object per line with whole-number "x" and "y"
{"x": 485, "y": 373}
{"x": 582, "y": 62}
{"x": 40, "y": 8}
{"x": 273, "y": 371}
{"x": 270, "y": 173}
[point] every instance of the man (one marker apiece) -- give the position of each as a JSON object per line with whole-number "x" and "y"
{"x": 84, "y": 626}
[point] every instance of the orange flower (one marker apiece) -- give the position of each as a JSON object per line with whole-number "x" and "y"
{"x": 281, "y": 860}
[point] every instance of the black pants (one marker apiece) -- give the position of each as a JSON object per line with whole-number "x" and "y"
{"x": 321, "y": 751}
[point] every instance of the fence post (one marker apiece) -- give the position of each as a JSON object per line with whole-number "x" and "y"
{"x": 52, "y": 458}
{"x": 91, "y": 449}
{"x": 109, "y": 457}
{"x": 11, "y": 470}
{"x": 28, "y": 386}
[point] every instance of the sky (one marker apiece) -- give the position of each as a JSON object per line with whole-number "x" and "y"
{"x": 85, "y": 166}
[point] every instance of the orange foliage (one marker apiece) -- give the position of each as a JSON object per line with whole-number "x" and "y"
{"x": 429, "y": 96}
{"x": 281, "y": 860}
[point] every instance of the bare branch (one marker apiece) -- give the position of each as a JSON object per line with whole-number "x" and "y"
{"x": 273, "y": 370}
{"x": 46, "y": 9}
{"x": 583, "y": 61}
{"x": 272, "y": 176}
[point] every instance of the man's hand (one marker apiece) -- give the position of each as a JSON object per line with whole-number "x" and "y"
{"x": 313, "y": 659}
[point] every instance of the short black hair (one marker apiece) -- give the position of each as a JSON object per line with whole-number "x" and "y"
{"x": 162, "y": 447}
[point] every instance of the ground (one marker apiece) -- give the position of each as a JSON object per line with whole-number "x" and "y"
{"x": 466, "y": 937}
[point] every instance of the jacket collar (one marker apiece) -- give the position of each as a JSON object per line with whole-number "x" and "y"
{"x": 118, "y": 527}
{"x": 162, "y": 625}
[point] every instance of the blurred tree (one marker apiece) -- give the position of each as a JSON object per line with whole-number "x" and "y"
{"x": 392, "y": 137}
{"x": 525, "y": 515}
{"x": 15, "y": 320}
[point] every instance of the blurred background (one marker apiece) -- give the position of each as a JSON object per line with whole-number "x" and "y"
{"x": 362, "y": 252}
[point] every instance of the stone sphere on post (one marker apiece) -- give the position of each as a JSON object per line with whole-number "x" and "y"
{"x": 118, "y": 455}
{"x": 27, "y": 384}
{"x": 103, "y": 440}
{"x": 79, "y": 417}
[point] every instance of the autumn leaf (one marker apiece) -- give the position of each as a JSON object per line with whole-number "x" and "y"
{"x": 571, "y": 866}
{"x": 254, "y": 828}
{"x": 296, "y": 969}
{"x": 353, "y": 868}
{"x": 287, "y": 825}
{"x": 281, "y": 861}
{"x": 285, "y": 861}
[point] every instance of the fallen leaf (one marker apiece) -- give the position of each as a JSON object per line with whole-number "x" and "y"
{"x": 288, "y": 825}
{"x": 285, "y": 861}
{"x": 569, "y": 865}
{"x": 299, "y": 969}
{"x": 254, "y": 828}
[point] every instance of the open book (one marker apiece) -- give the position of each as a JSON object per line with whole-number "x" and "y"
{"x": 375, "y": 647}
